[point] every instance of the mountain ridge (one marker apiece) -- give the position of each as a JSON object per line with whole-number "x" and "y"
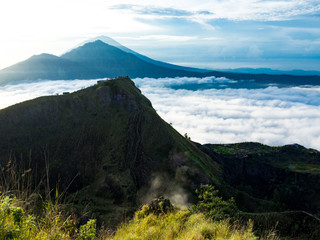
{"x": 114, "y": 43}
{"x": 75, "y": 65}
{"x": 102, "y": 141}
{"x": 114, "y": 62}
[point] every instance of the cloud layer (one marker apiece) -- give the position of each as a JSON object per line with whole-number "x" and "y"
{"x": 274, "y": 116}
{"x": 16, "y": 93}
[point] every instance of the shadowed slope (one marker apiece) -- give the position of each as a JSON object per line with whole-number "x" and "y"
{"x": 44, "y": 66}
{"x": 111, "y": 61}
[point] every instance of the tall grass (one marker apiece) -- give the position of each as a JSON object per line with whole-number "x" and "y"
{"x": 15, "y": 223}
{"x": 19, "y": 219}
{"x": 29, "y": 211}
{"x": 180, "y": 224}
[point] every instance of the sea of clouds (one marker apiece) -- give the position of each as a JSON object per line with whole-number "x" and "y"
{"x": 273, "y": 116}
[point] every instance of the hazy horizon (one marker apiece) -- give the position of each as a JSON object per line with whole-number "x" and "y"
{"x": 282, "y": 35}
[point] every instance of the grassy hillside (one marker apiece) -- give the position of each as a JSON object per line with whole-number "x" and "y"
{"x": 106, "y": 145}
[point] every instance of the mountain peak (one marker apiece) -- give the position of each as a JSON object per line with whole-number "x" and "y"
{"x": 96, "y": 42}
{"x": 44, "y": 56}
{"x": 104, "y": 39}
{"x": 107, "y": 40}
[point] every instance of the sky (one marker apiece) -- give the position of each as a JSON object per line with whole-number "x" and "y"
{"x": 273, "y": 116}
{"x": 215, "y": 34}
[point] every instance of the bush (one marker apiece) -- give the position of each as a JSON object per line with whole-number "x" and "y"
{"x": 88, "y": 230}
{"x": 213, "y": 206}
{"x": 53, "y": 224}
{"x": 13, "y": 222}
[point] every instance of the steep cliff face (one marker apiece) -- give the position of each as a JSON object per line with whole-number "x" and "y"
{"x": 107, "y": 143}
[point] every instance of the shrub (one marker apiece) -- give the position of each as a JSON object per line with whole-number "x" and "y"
{"x": 213, "y": 206}
{"x": 88, "y": 230}
{"x": 53, "y": 224}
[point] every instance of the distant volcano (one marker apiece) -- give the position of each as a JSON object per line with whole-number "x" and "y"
{"x": 107, "y": 58}
{"x": 92, "y": 60}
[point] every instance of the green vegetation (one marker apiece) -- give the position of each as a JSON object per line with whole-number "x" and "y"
{"x": 269, "y": 179}
{"x": 211, "y": 218}
{"x": 212, "y": 206}
{"x": 294, "y": 157}
{"x": 101, "y": 144}
{"x": 16, "y": 223}
{"x": 109, "y": 151}
{"x": 180, "y": 224}
{"x": 158, "y": 221}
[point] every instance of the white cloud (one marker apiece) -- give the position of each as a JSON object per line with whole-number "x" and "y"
{"x": 169, "y": 82}
{"x": 12, "y": 94}
{"x": 167, "y": 38}
{"x": 274, "y": 116}
{"x": 204, "y": 10}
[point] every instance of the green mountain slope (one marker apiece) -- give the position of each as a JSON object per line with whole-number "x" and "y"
{"x": 108, "y": 144}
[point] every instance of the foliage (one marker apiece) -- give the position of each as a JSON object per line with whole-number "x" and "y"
{"x": 16, "y": 224}
{"x": 157, "y": 220}
{"x": 88, "y": 230}
{"x": 13, "y": 223}
{"x": 213, "y": 206}
{"x": 157, "y": 206}
{"x": 292, "y": 157}
{"x": 180, "y": 224}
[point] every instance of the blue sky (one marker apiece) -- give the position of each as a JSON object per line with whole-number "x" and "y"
{"x": 214, "y": 34}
